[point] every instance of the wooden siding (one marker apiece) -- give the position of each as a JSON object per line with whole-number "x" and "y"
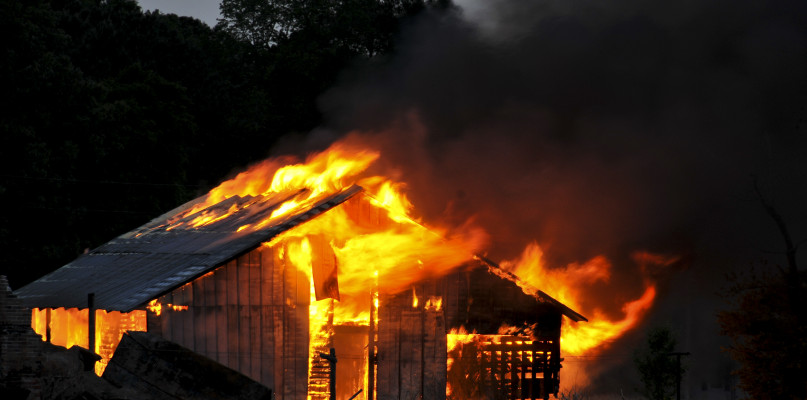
{"x": 250, "y": 314}
{"x": 411, "y": 350}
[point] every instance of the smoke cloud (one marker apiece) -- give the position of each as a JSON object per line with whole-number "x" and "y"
{"x": 601, "y": 128}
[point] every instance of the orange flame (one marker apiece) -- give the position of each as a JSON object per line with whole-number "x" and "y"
{"x": 157, "y": 308}
{"x": 568, "y": 285}
{"x": 459, "y": 336}
{"x": 322, "y": 173}
{"x": 69, "y": 327}
{"x": 397, "y": 248}
{"x": 391, "y": 243}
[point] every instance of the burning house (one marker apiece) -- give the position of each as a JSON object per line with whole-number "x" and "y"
{"x": 277, "y": 270}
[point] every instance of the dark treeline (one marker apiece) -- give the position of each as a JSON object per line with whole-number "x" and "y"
{"x": 112, "y": 115}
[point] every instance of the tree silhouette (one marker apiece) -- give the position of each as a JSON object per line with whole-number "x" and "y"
{"x": 768, "y": 323}
{"x": 359, "y": 27}
{"x": 658, "y": 371}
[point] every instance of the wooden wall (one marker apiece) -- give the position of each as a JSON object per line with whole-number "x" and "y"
{"x": 251, "y": 315}
{"x": 411, "y": 349}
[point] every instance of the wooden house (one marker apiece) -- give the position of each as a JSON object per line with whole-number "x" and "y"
{"x": 236, "y": 296}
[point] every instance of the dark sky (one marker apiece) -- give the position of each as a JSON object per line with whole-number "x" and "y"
{"x": 205, "y": 10}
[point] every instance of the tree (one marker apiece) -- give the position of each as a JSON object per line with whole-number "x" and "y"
{"x": 768, "y": 323}
{"x": 658, "y": 370}
{"x": 364, "y": 27}
{"x": 113, "y": 116}
{"x": 260, "y": 22}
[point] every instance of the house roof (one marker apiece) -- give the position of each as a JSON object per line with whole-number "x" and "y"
{"x": 539, "y": 295}
{"x": 164, "y": 254}
{"x": 136, "y": 267}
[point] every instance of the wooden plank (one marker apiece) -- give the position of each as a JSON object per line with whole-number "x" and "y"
{"x": 255, "y": 336}
{"x": 389, "y": 348}
{"x": 278, "y": 318}
{"x": 175, "y": 326}
{"x": 233, "y": 357}
{"x": 243, "y": 280}
{"x": 244, "y": 326}
{"x": 278, "y": 362}
{"x": 267, "y": 264}
{"x": 211, "y": 329}
{"x": 244, "y": 344}
{"x": 254, "y": 267}
{"x": 232, "y": 282}
{"x": 199, "y": 324}
{"x": 267, "y": 352}
{"x": 255, "y": 314}
{"x": 278, "y": 275}
{"x": 222, "y": 329}
{"x": 434, "y": 355}
{"x": 209, "y": 311}
{"x": 411, "y": 354}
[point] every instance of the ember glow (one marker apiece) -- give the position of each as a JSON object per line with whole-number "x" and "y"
{"x": 157, "y": 308}
{"x": 69, "y": 327}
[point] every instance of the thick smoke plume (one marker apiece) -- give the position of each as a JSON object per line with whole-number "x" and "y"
{"x": 602, "y": 128}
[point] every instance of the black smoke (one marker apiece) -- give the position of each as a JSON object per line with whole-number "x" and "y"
{"x": 603, "y": 128}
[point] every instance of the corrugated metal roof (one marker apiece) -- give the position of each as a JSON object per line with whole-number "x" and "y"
{"x": 143, "y": 264}
{"x": 539, "y": 295}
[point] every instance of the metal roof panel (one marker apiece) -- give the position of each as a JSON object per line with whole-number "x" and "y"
{"x": 138, "y": 266}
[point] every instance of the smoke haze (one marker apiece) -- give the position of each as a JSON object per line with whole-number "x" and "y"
{"x": 602, "y": 128}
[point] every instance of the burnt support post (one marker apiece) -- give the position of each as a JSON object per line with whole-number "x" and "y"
{"x": 91, "y": 322}
{"x": 331, "y": 357}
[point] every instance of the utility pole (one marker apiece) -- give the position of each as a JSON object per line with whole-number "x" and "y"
{"x": 678, "y": 372}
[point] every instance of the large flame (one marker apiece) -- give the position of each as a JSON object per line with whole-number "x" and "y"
{"x": 397, "y": 248}
{"x": 389, "y": 252}
{"x": 569, "y": 284}
{"x": 322, "y": 173}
